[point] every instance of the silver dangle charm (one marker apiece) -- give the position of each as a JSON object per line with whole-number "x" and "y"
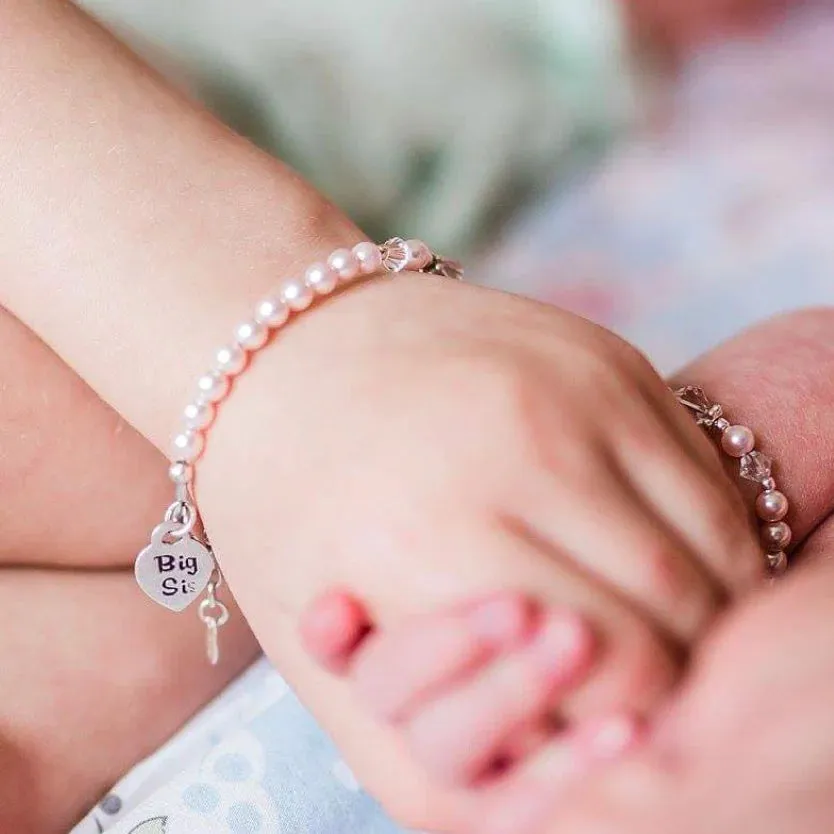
{"x": 214, "y": 616}
{"x": 175, "y": 567}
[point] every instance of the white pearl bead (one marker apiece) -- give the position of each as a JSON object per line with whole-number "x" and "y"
{"x": 368, "y": 256}
{"x": 296, "y": 295}
{"x": 344, "y": 263}
{"x": 321, "y": 279}
{"x": 251, "y": 335}
{"x": 213, "y": 386}
{"x": 198, "y": 415}
{"x": 187, "y": 446}
{"x": 181, "y": 472}
{"x": 738, "y": 441}
{"x": 272, "y": 312}
{"x": 230, "y": 360}
{"x": 417, "y": 254}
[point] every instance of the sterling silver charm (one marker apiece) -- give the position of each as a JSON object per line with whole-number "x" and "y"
{"x": 173, "y": 570}
{"x": 176, "y": 567}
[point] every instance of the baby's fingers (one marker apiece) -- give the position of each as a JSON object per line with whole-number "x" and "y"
{"x": 525, "y": 799}
{"x": 399, "y": 669}
{"x": 461, "y": 733}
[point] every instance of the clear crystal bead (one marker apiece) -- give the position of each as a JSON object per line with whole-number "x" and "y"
{"x": 394, "y": 254}
{"x": 694, "y": 398}
{"x": 755, "y": 467}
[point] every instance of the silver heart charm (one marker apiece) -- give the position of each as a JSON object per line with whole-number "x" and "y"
{"x": 173, "y": 573}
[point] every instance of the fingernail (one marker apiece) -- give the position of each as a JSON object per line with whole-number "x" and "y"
{"x": 502, "y": 620}
{"x": 611, "y": 737}
{"x": 563, "y": 647}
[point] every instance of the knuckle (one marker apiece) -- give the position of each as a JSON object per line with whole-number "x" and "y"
{"x": 677, "y": 590}
{"x": 510, "y": 401}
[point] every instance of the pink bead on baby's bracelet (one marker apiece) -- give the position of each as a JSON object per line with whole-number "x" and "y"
{"x": 739, "y": 442}
{"x": 177, "y": 566}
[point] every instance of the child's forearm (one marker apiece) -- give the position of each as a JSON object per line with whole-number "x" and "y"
{"x": 113, "y": 187}
{"x": 80, "y": 486}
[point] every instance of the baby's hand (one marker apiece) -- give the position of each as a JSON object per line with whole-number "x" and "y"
{"x": 475, "y": 691}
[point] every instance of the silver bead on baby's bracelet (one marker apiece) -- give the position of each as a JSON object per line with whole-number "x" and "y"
{"x": 178, "y": 565}
{"x": 739, "y": 442}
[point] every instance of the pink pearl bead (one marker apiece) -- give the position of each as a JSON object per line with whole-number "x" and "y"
{"x": 230, "y": 360}
{"x": 344, "y": 263}
{"x": 776, "y": 536}
{"x": 772, "y": 506}
{"x": 418, "y": 255}
{"x": 251, "y": 335}
{"x": 213, "y": 386}
{"x": 272, "y": 312}
{"x": 737, "y": 441}
{"x": 187, "y": 446}
{"x": 778, "y": 562}
{"x": 296, "y": 295}
{"x": 321, "y": 279}
{"x": 368, "y": 256}
{"x": 198, "y": 415}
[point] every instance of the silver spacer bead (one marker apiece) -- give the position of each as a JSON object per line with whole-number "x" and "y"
{"x": 181, "y": 472}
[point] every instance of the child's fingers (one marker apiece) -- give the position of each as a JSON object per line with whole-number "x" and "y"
{"x": 398, "y": 670}
{"x": 697, "y": 505}
{"x": 458, "y": 735}
{"x": 524, "y": 799}
{"x": 528, "y": 739}
{"x": 613, "y": 539}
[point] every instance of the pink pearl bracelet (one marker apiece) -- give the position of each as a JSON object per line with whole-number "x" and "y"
{"x": 175, "y": 568}
{"x": 739, "y": 442}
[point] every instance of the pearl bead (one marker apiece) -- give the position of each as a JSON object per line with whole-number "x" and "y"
{"x": 776, "y": 536}
{"x": 230, "y": 360}
{"x": 772, "y": 506}
{"x": 251, "y": 335}
{"x": 187, "y": 446}
{"x": 321, "y": 279}
{"x": 344, "y": 263}
{"x": 198, "y": 415}
{"x": 181, "y": 472}
{"x": 368, "y": 256}
{"x": 272, "y": 312}
{"x": 738, "y": 441}
{"x": 417, "y": 254}
{"x": 296, "y": 295}
{"x": 213, "y": 386}
{"x": 778, "y": 562}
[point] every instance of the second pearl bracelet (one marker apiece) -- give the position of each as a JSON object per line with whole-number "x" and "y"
{"x": 178, "y": 564}
{"x": 739, "y": 442}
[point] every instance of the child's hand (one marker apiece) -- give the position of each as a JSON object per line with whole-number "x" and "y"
{"x": 474, "y": 692}
{"x": 581, "y": 469}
